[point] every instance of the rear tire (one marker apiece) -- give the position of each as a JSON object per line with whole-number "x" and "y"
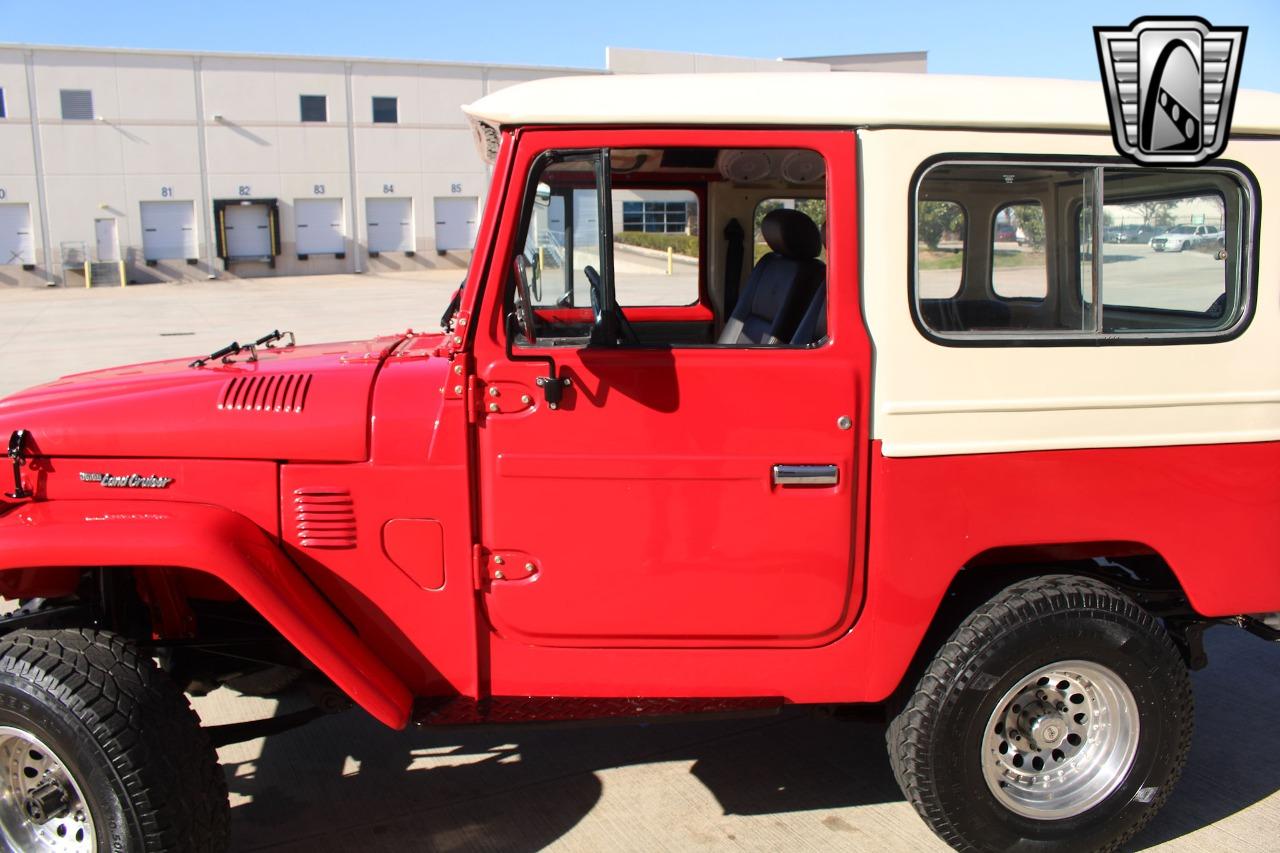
{"x": 115, "y": 753}
{"x": 1037, "y": 657}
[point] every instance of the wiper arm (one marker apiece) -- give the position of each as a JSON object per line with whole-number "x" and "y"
{"x": 269, "y": 340}
{"x": 225, "y": 354}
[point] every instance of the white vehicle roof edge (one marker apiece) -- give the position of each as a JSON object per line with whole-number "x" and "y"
{"x": 863, "y": 99}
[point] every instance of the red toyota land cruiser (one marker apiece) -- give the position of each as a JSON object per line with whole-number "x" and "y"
{"x": 745, "y": 403}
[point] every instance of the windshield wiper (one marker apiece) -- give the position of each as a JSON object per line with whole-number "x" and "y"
{"x": 269, "y": 340}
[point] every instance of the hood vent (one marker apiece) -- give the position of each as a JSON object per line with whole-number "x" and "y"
{"x": 281, "y": 392}
{"x": 324, "y": 518}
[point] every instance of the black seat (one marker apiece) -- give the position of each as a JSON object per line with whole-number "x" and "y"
{"x": 812, "y": 327}
{"x": 782, "y": 285}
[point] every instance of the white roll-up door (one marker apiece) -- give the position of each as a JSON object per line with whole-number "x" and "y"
{"x": 16, "y": 246}
{"x": 248, "y": 229}
{"x": 169, "y": 230}
{"x": 318, "y": 225}
{"x": 456, "y": 222}
{"x": 390, "y": 224}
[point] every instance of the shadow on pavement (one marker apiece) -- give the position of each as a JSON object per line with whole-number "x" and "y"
{"x": 347, "y": 783}
{"x": 1230, "y": 767}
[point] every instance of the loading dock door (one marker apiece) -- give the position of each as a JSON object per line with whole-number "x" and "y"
{"x": 16, "y": 246}
{"x": 390, "y": 224}
{"x": 318, "y": 226}
{"x": 456, "y": 222}
{"x": 248, "y": 228}
{"x": 168, "y": 230}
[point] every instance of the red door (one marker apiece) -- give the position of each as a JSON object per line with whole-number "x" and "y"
{"x": 646, "y": 509}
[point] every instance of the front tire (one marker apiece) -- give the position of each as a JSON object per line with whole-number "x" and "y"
{"x": 1056, "y": 718}
{"x": 100, "y": 751}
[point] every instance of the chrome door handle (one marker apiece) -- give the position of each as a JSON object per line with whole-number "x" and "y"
{"x": 805, "y": 475}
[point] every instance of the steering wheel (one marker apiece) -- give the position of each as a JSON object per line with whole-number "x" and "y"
{"x": 524, "y": 302}
{"x": 597, "y": 309}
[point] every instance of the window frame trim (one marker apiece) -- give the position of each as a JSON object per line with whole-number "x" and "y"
{"x": 302, "y": 118}
{"x": 1249, "y": 237}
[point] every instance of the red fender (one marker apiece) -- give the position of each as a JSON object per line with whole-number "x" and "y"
{"x": 224, "y": 544}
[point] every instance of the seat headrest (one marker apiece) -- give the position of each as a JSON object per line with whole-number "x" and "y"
{"x": 791, "y": 234}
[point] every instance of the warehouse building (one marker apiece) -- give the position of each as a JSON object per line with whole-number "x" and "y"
{"x": 138, "y": 166}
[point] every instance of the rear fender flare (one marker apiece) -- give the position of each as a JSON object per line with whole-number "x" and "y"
{"x": 221, "y": 543}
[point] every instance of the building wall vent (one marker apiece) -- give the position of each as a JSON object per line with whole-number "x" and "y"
{"x": 77, "y": 104}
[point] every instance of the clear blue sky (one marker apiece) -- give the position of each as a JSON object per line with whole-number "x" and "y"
{"x": 1018, "y": 37}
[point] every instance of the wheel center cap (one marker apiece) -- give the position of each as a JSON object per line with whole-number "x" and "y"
{"x": 1049, "y": 730}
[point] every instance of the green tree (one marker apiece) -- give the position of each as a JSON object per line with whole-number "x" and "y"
{"x": 1156, "y": 214}
{"x": 1030, "y": 218}
{"x": 938, "y": 218}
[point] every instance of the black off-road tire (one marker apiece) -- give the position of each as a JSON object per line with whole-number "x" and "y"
{"x": 125, "y": 732}
{"x": 936, "y": 742}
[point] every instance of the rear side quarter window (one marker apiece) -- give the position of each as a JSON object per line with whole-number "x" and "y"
{"x": 1168, "y": 259}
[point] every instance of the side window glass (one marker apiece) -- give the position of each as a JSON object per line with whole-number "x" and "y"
{"x": 1166, "y": 254}
{"x": 561, "y": 246}
{"x": 656, "y": 245}
{"x": 940, "y": 251}
{"x": 651, "y": 274}
{"x": 1019, "y": 266}
{"x": 1182, "y": 275}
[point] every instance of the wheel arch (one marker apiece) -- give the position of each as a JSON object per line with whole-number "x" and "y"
{"x": 53, "y": 539}
{"x": 1133, "y": 568}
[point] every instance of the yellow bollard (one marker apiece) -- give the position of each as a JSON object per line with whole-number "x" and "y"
{"x": 670, "y": 259}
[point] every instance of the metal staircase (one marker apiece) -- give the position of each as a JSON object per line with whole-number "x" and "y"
{"x": 104, "y": 274}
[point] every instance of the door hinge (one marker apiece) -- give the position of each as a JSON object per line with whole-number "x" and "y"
{"x": 493, "y": 566}
{"x": 474, "y": 401}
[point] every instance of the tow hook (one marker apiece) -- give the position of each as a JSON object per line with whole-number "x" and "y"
{"x": 17, "y": 443}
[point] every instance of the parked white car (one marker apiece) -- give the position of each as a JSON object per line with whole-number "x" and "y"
{"x": 1181, "y": 237}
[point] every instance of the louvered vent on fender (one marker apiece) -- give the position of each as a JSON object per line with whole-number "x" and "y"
{"x": 325, "y": 518}
{"x": 281, "y": 392}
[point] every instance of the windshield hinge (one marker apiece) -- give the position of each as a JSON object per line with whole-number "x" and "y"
{"x": 457, "y": 332}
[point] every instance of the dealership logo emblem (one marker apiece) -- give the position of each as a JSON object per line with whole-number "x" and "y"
{"x": 1171, "y": 86}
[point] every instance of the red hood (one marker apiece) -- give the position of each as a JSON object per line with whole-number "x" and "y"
{"x": 293, "y": 404}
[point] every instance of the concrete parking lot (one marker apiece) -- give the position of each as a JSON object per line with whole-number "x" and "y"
{"x": 791, "y": 782}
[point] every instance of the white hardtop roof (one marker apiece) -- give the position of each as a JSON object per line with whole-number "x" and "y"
{"x": 862, "y": 99}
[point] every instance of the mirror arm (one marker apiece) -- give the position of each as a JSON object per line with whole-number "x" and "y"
{"x": 552, "y": 384}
